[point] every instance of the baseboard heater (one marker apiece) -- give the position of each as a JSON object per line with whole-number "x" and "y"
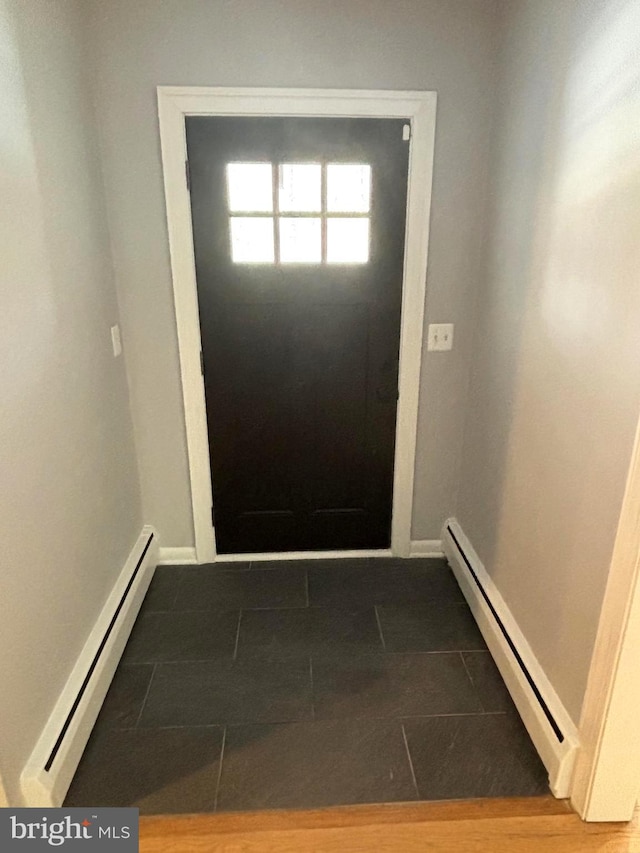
{"x": 551, "y": 728}
{"x": 47, "y": 775}
{"x": 543, "y": 705}
{"x": 96, "y": 658}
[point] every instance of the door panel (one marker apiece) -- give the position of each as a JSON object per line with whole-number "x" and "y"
{"x": 301, "y": 358}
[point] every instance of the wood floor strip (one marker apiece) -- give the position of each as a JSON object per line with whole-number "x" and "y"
{"x": 531, "y": 825}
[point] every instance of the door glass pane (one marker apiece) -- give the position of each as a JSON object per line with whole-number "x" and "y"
{"x": 250, "y": 187}
{"x": 348, "y": 240}
{"x": 299, "y": 187}
{"x": 252, "y": 239}
{"x": 348, "y": 188}
{"x": 300, "y": 240}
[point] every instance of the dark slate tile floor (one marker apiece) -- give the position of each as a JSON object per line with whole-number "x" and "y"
{"x": 304, "y": 684}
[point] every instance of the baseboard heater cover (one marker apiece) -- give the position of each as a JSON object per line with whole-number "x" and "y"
{"x": 551, "y": 729}
{"x": 49, "y": 771}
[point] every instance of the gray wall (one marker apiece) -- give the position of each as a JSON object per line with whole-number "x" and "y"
{"x": 422, "y": 44}
{"x": 555, "y": 388}
{"x": 69, "y": 502}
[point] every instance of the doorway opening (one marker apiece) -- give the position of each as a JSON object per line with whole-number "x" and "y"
{"x": 302, "y": 222}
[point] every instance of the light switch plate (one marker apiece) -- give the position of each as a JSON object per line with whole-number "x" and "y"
{"x": 440, "y": 337}
{"x": 115, "y": 340}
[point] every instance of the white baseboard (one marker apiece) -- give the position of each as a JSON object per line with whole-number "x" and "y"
{"x": 426, "y": 548}
{"x": 176, "y": 556}
{"x": 44, "y": 782}
{"x": 558, "y": 755}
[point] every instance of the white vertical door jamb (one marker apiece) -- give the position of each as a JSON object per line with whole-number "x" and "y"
{"x": 4, "y": 802}
{"x": 174, "y": 156}
{"x": 607, "y": 776}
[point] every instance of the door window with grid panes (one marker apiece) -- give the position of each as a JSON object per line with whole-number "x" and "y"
{"x": 299, "y": 213}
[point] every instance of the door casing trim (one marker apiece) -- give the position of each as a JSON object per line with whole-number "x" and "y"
{"x": 419, "y": 108}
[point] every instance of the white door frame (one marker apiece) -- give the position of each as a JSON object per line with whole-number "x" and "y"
{"x": 419, "y": 108}
{"x": 606, "y": 780}
{"x": 4, "y": 800}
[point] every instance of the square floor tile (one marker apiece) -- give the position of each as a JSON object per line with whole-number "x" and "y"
{"x": 163, "y": 588}
{"x": 388, "y": 685}
{"x": 125, "y": 698}
{"x": 309, "y": 631}
{"x": 477, "y": 756}
{"x": 310, "y": 765}
{"x": 161, "y": 637}
{"x": 160, "y": 771}
{"x": 434, "y": 627}
{"x": 488, "y": 682}
{"x": 202, "y": 589}
{"x": 220, "y": 692}
{"x": 381, "y": 581}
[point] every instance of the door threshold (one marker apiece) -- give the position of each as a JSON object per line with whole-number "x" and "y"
{"x": 303, "y": 555}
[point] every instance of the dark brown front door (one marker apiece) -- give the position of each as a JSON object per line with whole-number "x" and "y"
{"x": 299, "y": 245}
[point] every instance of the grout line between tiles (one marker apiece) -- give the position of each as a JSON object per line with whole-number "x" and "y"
{"x": 313, "y": 704}
{"x": 413, "y": 772}
{"x": 471, "y": 681}
{"x": 177, "y": 593}
{"x": 209, "y": 610}
{"x": 180, "y": 661}
{"x": 353, "y": 608}
{"x": 146, "y": 695}
{"x": 235, "y": 648}
{"x": 384, "y": 645}
{"x": 224, "y": 740}
{"x": 303, "y": 721}
{"x": 182, "y": 727}
{"x": 466, "y": 668}
{"x": 284, "y": 657}
{"x": 459, "y": 714}
{"x": 230, "y": 724}
{"x": 434, "y": 652}
{"x": 229, "y": 609}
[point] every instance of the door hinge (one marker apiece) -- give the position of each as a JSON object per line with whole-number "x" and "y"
{"x": 406, "y": 132}
{"x": 187, "y": 175}
{"x": 201, "y": 363}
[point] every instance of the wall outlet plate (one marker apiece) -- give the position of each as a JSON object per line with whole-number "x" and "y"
{"x": 440, "y": 337}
